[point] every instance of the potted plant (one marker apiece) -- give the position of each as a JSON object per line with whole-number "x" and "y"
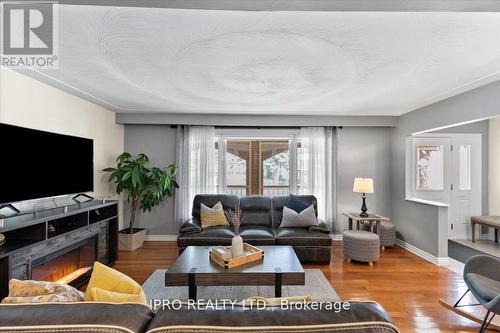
{"x": 146, "y": 188}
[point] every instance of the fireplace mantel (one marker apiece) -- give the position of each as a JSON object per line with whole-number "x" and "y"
{"x": 34, "y": 236}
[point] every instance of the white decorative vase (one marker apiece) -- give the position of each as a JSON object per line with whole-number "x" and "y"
{"x": 237, "y": 246}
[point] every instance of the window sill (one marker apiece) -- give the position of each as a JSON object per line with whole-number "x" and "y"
{"x": 428, "y": 202}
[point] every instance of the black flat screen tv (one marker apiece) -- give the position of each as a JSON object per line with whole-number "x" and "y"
{"x": 36, "y": 164}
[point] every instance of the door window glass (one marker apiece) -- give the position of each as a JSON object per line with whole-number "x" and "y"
{"x": 464, "y": 155}
{"x": 429, "y": 168}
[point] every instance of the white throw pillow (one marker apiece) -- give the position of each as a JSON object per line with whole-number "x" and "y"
{"x": 292, "y": 219}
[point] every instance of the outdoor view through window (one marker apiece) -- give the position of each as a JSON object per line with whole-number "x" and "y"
{"x": 257, "y": 167}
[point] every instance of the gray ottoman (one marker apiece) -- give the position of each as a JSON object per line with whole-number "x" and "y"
{"x": 361, "y": 246}
{"x": 387, "y": 234}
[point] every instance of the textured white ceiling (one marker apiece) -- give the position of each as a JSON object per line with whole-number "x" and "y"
{"x": 330, "y": 63}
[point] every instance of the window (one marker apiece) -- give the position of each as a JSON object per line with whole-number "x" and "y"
{"x": 275, "y": 164}
{"x": 237, "y": 171}
{"x": 256, "y": 166}
{"x": 464, "y": 156}
{"x": 429, "y": 168}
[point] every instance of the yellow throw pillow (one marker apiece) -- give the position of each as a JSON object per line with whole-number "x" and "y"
{"x": 101, "y": 295}
{"x": 211, "y": 217}
{"x": 110, "y": 279}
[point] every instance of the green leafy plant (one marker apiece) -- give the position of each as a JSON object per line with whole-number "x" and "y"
{"x": 145, "y": 186}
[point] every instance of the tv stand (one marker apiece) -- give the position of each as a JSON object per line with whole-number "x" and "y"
{"x": 11, "y": 207}
{"x": 82, "y": 195}
{"x": 30, "y": 237}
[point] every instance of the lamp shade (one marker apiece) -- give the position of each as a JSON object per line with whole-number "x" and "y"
{"x": 363, "y": 185}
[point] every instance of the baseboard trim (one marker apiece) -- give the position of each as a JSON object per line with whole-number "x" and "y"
{"x": 441, "y": 261}
{"x": 160, "y": 238}
{"x": 455, "y": 266}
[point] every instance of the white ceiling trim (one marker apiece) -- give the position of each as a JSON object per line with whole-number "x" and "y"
{"x": 305, "y": 5}
{"x": 457, "y": 91}
{"x": 99, "y": 101}
{"x": 46, "y": 78}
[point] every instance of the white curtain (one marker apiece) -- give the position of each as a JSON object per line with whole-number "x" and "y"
{"x": 221, "y": 160}
{"x": 293, "y": 144}
{"x": 196, "y": 161}
{"x": 317, "y": 169}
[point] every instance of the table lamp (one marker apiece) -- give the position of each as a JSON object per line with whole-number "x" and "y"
{"x": 363, "y": 185}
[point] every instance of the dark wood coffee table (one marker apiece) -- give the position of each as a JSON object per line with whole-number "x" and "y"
{"x": 193, "y": 268}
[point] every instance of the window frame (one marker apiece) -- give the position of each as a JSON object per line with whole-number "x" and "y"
{"x": 291, "y": 135}
{"x": 412, "y": 193}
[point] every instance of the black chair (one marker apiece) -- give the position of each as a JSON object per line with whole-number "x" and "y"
{"x": 482, "y": 276}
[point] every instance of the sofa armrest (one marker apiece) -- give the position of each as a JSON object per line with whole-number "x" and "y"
{"x": 190, "y": 226}
{"x": 361, "y": 317}
{"x": 322, "y": 226}
{"x": 75, "y": 317}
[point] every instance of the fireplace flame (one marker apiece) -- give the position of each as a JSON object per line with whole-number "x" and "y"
{"x": 67, "y": 279}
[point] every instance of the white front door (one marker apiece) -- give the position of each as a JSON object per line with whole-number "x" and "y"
{"x": 447, "y": 169}
{"x": 465, "y": 184}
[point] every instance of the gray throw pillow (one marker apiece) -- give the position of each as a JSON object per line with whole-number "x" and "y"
{"x": 292, "y": 219}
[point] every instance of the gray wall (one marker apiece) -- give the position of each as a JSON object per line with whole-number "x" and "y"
{"x": 158, "y": 142}
{"x": 363, "y": 152}
{"x": 417, "y": 223}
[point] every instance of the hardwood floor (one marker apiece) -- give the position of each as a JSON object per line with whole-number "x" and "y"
{"x": 407, "y": 286}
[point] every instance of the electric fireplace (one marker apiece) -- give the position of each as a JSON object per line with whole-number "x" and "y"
{"x": 71, "y": 265}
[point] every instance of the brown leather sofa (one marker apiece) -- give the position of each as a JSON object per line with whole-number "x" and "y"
{"x": 87, "y": 317}
{"x": 261, "y": 226}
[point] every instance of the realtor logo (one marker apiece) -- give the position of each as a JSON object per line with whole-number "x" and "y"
{"x": 29, "y": 34}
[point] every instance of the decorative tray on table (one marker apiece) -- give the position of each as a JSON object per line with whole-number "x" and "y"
{"x": 221, "y": 256}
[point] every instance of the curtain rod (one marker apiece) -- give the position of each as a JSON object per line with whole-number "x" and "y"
{"x": 256, "y": 127}
{"x": 259, "y": 127}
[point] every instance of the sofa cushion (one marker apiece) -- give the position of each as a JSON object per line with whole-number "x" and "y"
{"x": 212, "y": 216}
{"x": 51, "y": 298}
{"x": 101, "y": 295}
{"x": 219, "y": 235}
{"x": 302, "y": 237}
{"x": 256, "y": 210}
{"x": 82, "y": 317}
{"x": 227, "y": 201}
{"x": 315, "y": 255}
{"x": 258, "y": 235}
{"x": 292, "y": 219}
{"x": 279, "y": 203}
{"x": 296, "y": 204}
{"x": 362, "y": 317}
{"x": 107, "y": 278}
{"x": 31, "y": 288}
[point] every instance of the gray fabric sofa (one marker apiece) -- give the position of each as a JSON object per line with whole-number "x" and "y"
{"x": 87, "y": 317}
{"x": 261, "y": 226}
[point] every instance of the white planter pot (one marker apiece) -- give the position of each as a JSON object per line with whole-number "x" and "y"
{"x": 131, "y": 242}
{"x": 237, "y": 246}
